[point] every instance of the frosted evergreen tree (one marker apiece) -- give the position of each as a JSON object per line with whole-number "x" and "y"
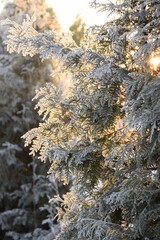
{"x": 103, "y": 134}
{"x": 24, "y": 187}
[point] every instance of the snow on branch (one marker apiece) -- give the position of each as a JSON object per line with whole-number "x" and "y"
{"x": 26, "y": 40}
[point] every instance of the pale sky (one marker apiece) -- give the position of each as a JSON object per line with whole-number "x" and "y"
{"x": 66, "y": 11}
{"x": 1, "y": 5}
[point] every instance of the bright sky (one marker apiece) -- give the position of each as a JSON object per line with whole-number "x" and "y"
{"x": 1, "y": 5}
{"x": 67, "y": 10}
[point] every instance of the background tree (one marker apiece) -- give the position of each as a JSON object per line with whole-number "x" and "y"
{"x": 104, "y": 135}
{"x": 24, "y": 188}
{"x": 77, "y": 29}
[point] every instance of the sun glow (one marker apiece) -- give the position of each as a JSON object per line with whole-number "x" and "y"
{"x": 155, "y": 62}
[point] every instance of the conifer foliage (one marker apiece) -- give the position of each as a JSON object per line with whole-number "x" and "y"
{"x": 104, "y": 134}
{"x": 24, "y": 187}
